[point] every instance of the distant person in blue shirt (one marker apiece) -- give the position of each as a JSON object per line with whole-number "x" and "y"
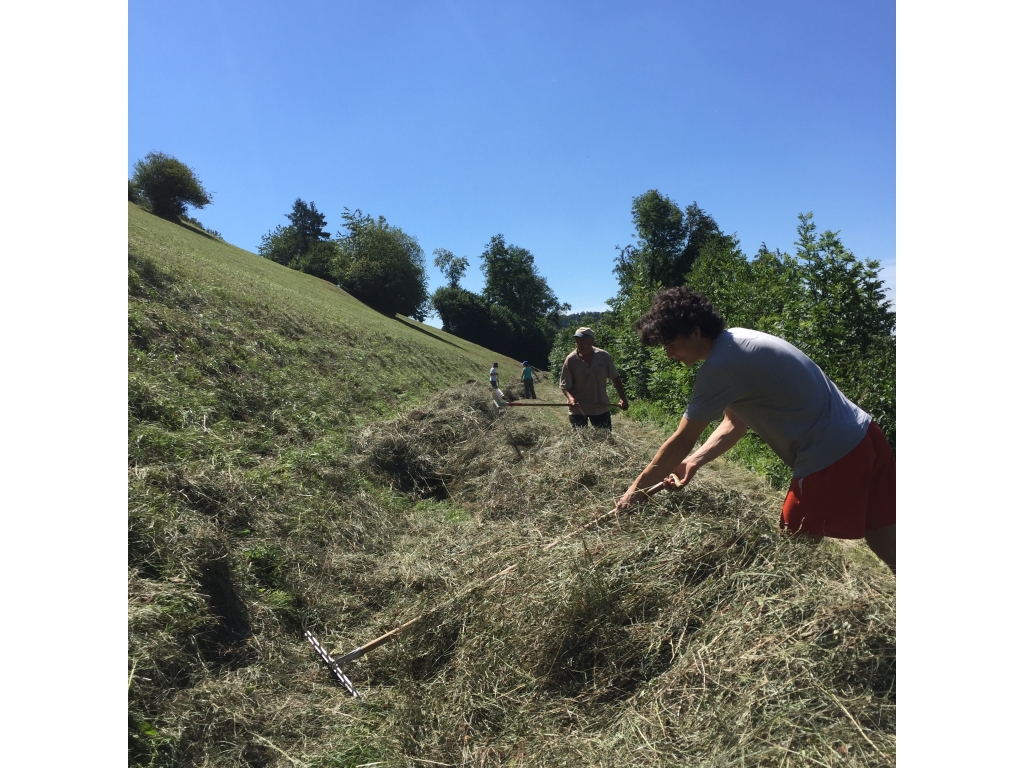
{"x": 844, "y": 470}
{"x": 529, "y": 393}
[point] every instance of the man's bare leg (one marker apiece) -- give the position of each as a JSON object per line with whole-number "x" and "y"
{"x": 883, "y": 543}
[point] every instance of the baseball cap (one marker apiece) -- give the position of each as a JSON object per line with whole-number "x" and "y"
{"x": 581, "y": 332}
{"x": 526, "y": 362}
{"x": 495, "y": 363}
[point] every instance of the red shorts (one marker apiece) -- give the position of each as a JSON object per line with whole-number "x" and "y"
{"x": 845, "y": 499}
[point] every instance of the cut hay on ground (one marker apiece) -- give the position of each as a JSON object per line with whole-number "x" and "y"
{"x": 685, "y": 633}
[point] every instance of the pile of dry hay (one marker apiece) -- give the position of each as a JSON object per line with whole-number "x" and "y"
{"x": 688, "y": 632}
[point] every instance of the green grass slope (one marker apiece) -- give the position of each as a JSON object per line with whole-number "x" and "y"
{"x": 298, "y": 461}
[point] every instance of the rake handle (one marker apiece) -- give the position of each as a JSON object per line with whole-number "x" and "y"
{"x": 598, "y": 520}
{"x": 520, "y": 404}
{"x": 387, "y": 637}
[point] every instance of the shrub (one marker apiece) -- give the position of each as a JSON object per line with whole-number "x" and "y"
{"x": 382, "y": 266}
{"x": 168, "y": 185}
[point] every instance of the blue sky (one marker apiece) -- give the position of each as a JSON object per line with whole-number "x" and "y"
{"x": 537, "y": 120}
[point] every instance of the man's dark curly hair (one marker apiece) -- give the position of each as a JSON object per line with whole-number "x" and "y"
{"x": 677, "y": 311}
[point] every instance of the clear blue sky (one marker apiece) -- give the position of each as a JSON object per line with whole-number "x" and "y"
{"x": 538, "y": 120}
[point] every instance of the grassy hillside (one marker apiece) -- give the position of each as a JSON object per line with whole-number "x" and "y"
{"x": 298, "y": 461}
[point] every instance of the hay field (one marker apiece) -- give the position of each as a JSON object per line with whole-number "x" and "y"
{"x": 269, "y": 496}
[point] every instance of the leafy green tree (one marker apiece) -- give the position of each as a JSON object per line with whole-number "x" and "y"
{"x": 309, "y": 224}
{"x": 168, "y": 185}
{"x": 452, "y": 267}
{"x": 469, "y": 316}
{"x": 668, "y": 242}
{"x": 512, "y": 281}
{"x": 304, "y": 244}
{"x": 382, "y": 266}
{"x": 846, "y": 301}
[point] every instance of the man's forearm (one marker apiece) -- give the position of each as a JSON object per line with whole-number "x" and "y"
{"x": 617, "y": 383}
{"x": 672, "y": 451}
{"x": 728, "y": 433}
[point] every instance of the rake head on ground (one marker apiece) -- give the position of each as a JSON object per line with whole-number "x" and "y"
{"x": 335, "y": 666}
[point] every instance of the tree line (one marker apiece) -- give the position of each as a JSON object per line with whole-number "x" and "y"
{"x": 822, "y": 299}
{"x": 383, "y": 266}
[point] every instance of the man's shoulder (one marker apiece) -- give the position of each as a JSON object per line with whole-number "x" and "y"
{"x": 745, "y": 340}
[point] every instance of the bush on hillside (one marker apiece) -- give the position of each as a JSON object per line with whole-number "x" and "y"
{"x": 304, "y": 244}
{"x": 168, "y": 185}
{"x": 468, "y": 316}
{"x": 382, "y": 266}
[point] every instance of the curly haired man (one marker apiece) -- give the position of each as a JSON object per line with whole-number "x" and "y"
{"x": 844, "y": 470}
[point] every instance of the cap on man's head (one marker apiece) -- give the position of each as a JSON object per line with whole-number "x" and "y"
{"x": 524, "y": 362}
{"x": 581, "y": 332}
{"x": 495, "y": 363}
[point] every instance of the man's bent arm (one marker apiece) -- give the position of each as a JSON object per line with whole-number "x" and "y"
{"x": 728, "y": 433}
{"x": 721, "y": 440}
{"x": 668, "y": 457}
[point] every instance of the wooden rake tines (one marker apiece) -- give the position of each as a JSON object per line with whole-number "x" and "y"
{"x": 336, "y": 665}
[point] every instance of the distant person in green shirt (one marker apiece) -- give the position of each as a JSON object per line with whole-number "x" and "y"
{"x": 529, "y": 393}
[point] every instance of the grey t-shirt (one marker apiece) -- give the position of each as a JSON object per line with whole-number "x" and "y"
{"x": 782, "y": 395}
{"x": 587, "y": 382}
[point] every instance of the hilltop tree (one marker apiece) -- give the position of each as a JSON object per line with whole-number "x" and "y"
{"x": 669, "y": 241}
{"x": 304, "y": 244}
{"x": 452, "y": 267}
{"x": 383, "y": 266}
{"x": 518, "y": 293}
{"x": 512, "y": 281}
{"x": 167, "y": 185}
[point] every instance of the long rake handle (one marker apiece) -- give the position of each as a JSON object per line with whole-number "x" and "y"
{"x": 598, "y": 520}
{"x": 387, "y": 637}
{"x": 518, "y": 404}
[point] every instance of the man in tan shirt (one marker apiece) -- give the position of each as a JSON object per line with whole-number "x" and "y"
{"x": 584, "y": 374}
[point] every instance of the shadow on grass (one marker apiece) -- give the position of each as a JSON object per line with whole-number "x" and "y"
{"x": 421, "y": 329}
{"x": 142, "y": 270}
{"x": 197, "y": 230}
